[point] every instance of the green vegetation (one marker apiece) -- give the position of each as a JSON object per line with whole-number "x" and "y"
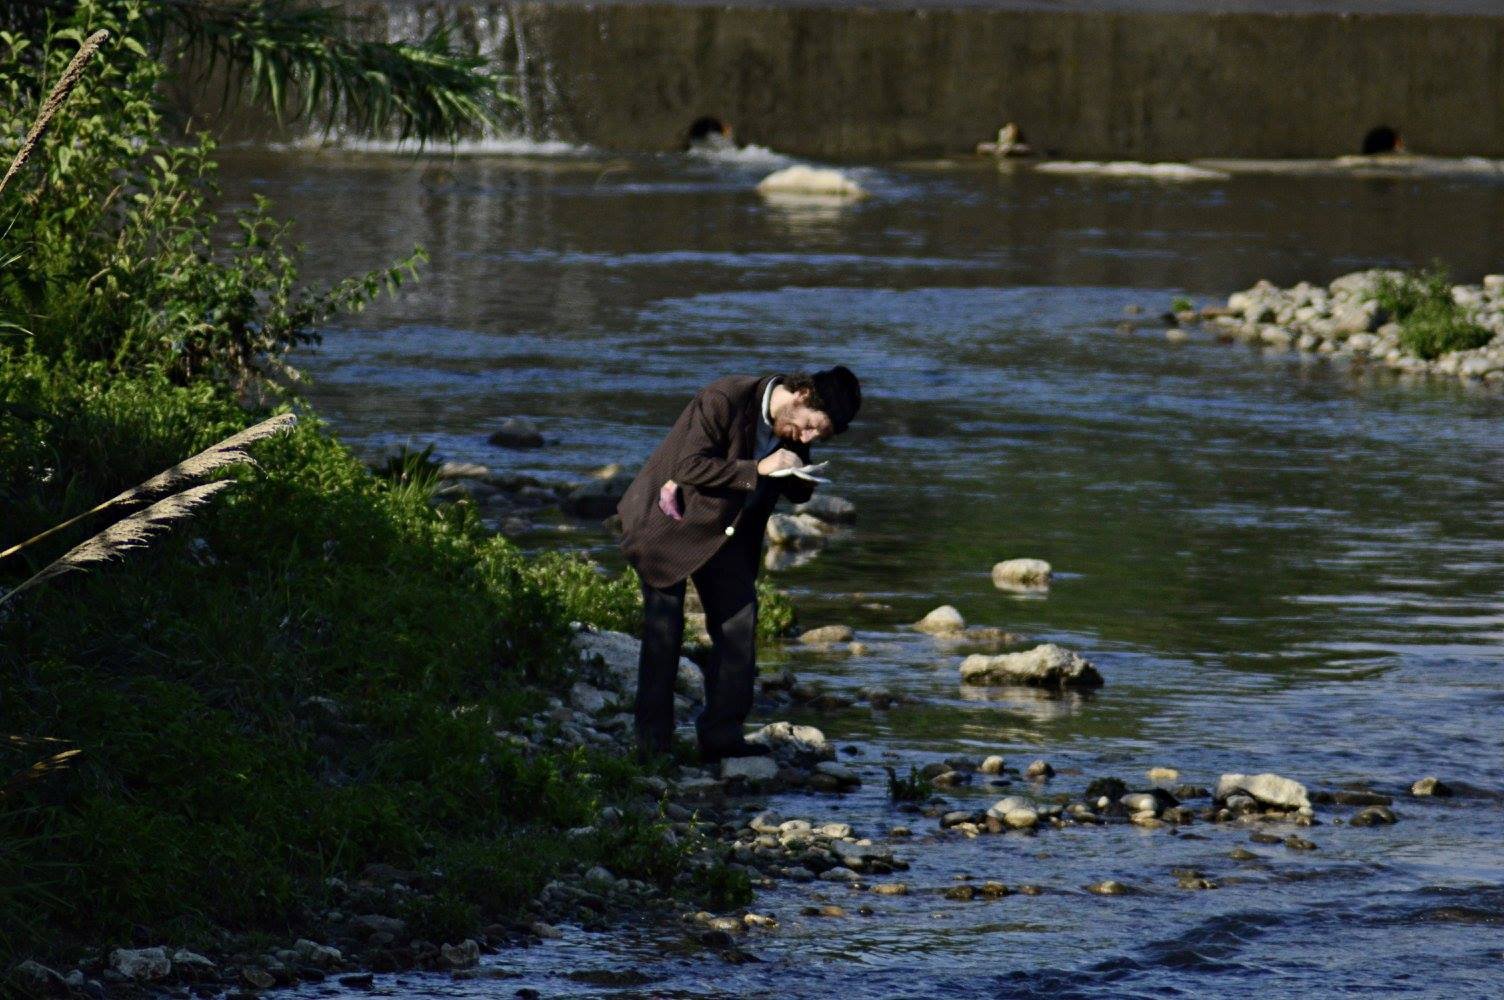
{"x": 307, "y": 677}
{"x": 1431, "y": 322}
{"x": 914, "y": 788}
{"x": 1180, "y": 304}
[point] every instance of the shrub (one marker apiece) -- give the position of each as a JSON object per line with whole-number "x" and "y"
{"x": 1431, "y": 322}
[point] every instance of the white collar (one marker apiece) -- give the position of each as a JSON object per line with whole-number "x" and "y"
{"x": 767, "y": 400}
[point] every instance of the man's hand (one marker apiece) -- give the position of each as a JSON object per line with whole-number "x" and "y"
{"x": 668, "y": 501}
{"x": 780, "y": 459}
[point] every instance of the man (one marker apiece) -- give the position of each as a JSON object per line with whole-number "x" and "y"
{"x": 698, "y": 510}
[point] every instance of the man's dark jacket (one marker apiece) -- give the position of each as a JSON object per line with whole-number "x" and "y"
{"x": 711, "y": 454}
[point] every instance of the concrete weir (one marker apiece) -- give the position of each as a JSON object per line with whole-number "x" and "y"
{"x": 1111, "y": 79}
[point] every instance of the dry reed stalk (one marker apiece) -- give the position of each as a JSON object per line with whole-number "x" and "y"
{"x": 230, "y": 451}
{"x": 55, "y": 100}
{"x": 47, "y": 765}
{"x": 125, "y": 535}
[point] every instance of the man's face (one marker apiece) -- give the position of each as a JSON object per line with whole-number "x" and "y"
{"x": 797, "y": 421}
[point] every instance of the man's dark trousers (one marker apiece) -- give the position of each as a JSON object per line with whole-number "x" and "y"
{"x": 727, "y": 585}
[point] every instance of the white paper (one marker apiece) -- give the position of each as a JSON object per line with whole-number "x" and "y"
{"x": 806, "y": 472}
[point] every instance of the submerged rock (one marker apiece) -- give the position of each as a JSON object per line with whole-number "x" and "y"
{"x": 831, "y": 509}
{"x": 944, "y": 620}
{"x": 462, "y": 955}
{"x": 801, "y": 181}
{"x": 796, "y": 530}
{"x": 1431, "y": 786}
{"x": 1109, "y": 887}
{"x": 1266, "y": 789}
{"x": 1022, "y": 574}
{"x": 1044, "y": 666}
{"x": 826, "y": 635}
{"x": 1374, "y": 816}
{"x": 517, "y": 432}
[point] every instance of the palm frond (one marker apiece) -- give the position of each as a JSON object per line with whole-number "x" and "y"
{"x": 302, "y": 59}
{"x": 125, "y": 535}
{"x": 55, "y": 100}
{"x": 230, "y": 451}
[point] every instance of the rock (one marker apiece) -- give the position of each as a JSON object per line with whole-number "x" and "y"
{"x": 826, "y": 635}
{"x": 1108, "y": 887}
{"x": 799, "y": 745}
{"x": 141, "y": 964}
{"x": 840, "y": 773}
{"x": 1295, "y": 843}
{"x": 1266, "y": 789}
{"x": 590, "y": 700}
{"x": 978, "y": 639}
{"x": 617, "y": 654}
{"x": 1374, "y": 816}
{"x": 1361, "y": 798}
{"x": 830, "y": 509}
{"x": 944, "y": 620}
{"x": 1022, "y": 574}
{"x": 462, "y": 955}
{"x": 517, "y": 432}
{"x": 992, "y": 765}
{"x": 1044, "y": 666}
{"x": 1431, "y": 786}
{"x": 358, "y": 980}
{"x": 1242, "y": 854}
{"x": 596, "y": 497}
{"x": 462, "y": 470}
{"x": 766, "y": 822}
{"x": 891, "y": 889}
{"x": 257, "y": 978}
{"x": 1039, "y": 769}
{"x": 1021, "y": 819}
{"x": 375, "y": 923}
{"x": 800, "y": 181}
{"x": 36, "y": 979}
{"x": 321, "y": 955}
{"x": 796, "y": 530}
{"x": 1108, "y": 788}
{"x": 1162, "y": 774}
{"x": 753, "y": 770}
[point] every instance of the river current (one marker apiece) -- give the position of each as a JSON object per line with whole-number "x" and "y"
{"x": 1278, "y": 564}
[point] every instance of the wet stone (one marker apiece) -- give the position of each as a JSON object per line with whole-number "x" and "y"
{"x": 1361, "y": 798}
{"x": 1374, "y": 816}
{"x": 1108, "y": 887}
{"x": 1039, "y": 769}
{"x": 1431, "y": 786}
{"x": 1295, "y": 843}
{"x": 1242, "y": 854}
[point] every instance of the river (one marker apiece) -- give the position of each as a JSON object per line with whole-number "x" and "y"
{"x": 1278, "y": 564}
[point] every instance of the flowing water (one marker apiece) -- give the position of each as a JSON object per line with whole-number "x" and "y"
{"x": 1277, "y": 563}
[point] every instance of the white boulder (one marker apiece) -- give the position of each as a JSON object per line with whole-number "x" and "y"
{"x": 1021, "y": 574}
{"x": 944, "y": 620}
{"x": 1044, "y": 666}
{"x": 801, "y": 181}
{"x": 1265, "y": 789}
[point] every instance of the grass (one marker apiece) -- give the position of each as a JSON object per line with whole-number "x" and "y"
{"x": 210, "y": 791}
{"x": 1431, "y": 322}
{"x": 914, "y": 788}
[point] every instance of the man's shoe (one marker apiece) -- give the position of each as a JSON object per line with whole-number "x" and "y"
{"x": 710, "y": 753}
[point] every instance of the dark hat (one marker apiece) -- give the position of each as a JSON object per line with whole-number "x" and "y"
{"x": 841, "y": 394}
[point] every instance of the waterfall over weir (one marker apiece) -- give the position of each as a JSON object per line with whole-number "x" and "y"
{"x": 1091, "y": 80}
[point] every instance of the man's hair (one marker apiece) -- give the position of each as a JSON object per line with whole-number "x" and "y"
{"x": 805, "y": 383}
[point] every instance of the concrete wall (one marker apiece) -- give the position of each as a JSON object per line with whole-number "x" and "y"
{"x": 864, "y": 84}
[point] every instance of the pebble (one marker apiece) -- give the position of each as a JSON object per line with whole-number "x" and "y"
{"x": 1040, "y": 769}
{"x": 1108, "y": 887}
{"x": 1162, "y": 774}
{"x": 141, "y": 964}
{"x": 1295, "y": 843}
{"x": 1242, "y": 854}
{"x": 991, "y": 765}
{"x": 1266, "y": 789}
{"x": 891, "y": 889}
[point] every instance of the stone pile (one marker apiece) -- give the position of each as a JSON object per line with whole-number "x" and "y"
{"x": 1344, "y": 319}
